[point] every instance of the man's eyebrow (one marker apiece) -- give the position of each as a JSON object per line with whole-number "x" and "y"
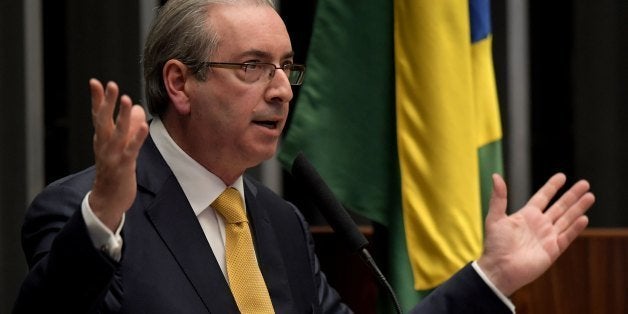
{"x": 264, "y": 55}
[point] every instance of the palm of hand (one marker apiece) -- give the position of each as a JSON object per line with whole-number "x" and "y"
{"x": 520, "y": 247}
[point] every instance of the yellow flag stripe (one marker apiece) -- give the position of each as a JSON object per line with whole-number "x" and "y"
{"x": 485, "y": 93}
{"x": 438, "y": 133}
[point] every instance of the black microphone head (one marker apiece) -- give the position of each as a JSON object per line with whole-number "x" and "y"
{"x": 322, "y": 196}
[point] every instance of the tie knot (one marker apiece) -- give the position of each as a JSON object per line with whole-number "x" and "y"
{"x": 229, "y": 205}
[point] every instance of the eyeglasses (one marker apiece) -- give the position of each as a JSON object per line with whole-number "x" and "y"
{"x": 254, "y": 71}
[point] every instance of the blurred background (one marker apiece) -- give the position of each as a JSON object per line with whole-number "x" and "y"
{"x": 561, "y": 70}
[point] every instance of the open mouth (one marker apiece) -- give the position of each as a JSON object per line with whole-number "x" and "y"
{"x": 267, "y": 124}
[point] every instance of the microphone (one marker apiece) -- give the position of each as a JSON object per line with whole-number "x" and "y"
{"x": 337, "y": 217}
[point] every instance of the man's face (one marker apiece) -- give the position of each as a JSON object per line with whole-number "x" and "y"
{"x": 231, "y": 120}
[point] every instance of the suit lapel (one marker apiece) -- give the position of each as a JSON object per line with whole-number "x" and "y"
{"x": 178, "y": 227}
{"x": 268, "y": 253}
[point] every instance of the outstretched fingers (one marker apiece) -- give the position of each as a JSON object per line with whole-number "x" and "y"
{"x": 103, "y": 105}
{"x": 123, "y": 120}
{"x": 544, "y": 195}
{"x": 567, "y": 200}
{"x": 130, "y": 124}
{"x": 129, "y": 130}
{"x": 138, "y": 131}
{"x": 574, "y": 212}
{"x": 571, "y": 233}
{"x": 567, "y": 213}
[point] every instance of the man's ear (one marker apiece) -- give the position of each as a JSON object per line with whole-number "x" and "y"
{"x": 175, "y": 74}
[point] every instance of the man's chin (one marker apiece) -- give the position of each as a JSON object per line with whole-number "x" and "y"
{"x": 263, "y": 154}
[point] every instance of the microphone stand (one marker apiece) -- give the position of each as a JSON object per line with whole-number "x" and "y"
{"x": 368, "y": 259}
{"x": 337, "y": 217}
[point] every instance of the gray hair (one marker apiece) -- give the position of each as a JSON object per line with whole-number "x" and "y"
{"x": 180, "y": 31}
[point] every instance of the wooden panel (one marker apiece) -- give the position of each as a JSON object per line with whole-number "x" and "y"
{"x": 590, "y": 277}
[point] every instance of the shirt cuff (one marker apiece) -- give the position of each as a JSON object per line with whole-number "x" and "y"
{"x": 103, "y": 239}
{"x": 499, "y": 294}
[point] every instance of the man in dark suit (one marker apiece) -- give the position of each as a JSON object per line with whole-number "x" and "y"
{"x": 140, "y": 232}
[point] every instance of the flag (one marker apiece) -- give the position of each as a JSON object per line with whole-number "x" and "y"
{"x": 399, "y": 114}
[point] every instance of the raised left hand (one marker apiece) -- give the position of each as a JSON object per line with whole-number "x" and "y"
{"x": 519, "y": 248}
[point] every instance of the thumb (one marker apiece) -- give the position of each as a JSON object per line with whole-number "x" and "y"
{"x": 499, "y": 200}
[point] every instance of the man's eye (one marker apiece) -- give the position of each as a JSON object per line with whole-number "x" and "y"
{"x": 252, "y": 67}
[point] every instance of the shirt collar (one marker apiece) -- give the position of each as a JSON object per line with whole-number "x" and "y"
{"x": 200, "y": 186}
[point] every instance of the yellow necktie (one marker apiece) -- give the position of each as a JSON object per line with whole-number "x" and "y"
{"x": 245, "y": 279}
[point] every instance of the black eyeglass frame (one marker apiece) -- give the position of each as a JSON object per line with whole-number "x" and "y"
{"x": 295, "y": 76}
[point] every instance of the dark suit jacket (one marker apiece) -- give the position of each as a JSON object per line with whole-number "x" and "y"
{"x": 167, "y": 266}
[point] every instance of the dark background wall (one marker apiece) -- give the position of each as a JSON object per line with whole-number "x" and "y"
{"x": 12, "y": 168}
{"x": 84, "y": 39}
{"x": 578, "y": 96}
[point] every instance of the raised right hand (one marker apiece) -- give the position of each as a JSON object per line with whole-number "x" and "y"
{"x": 116, "y": 146}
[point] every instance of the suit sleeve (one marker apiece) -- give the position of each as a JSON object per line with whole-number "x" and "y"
{"x": 66, "y": 273}
{"x": 464, "y": 292}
